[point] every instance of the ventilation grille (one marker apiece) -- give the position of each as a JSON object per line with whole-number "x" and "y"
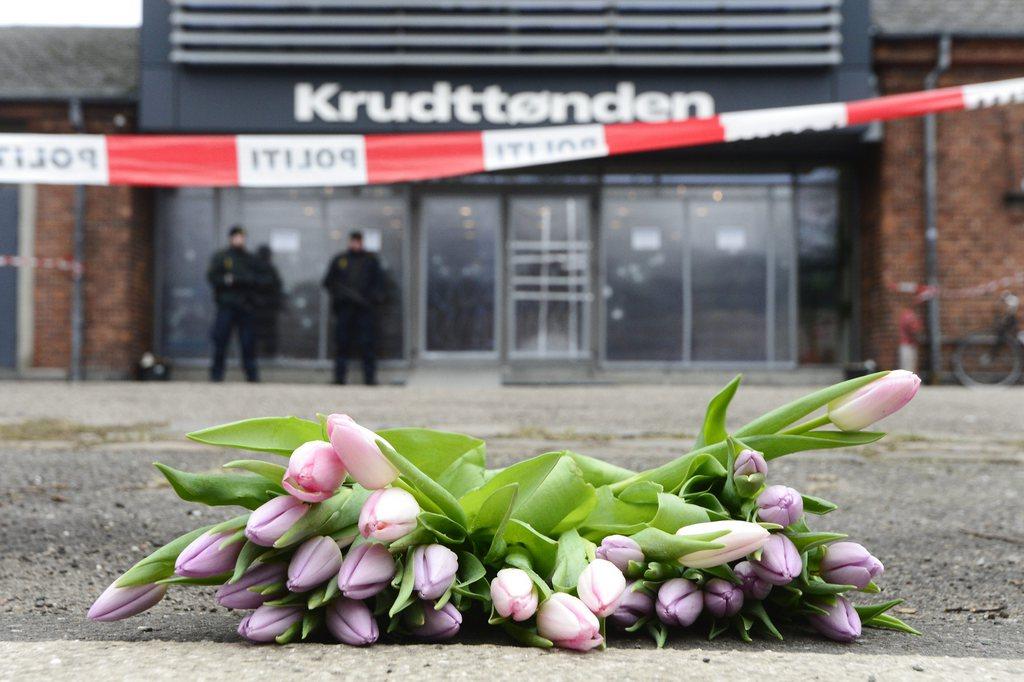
{"x": 508, "y": 33}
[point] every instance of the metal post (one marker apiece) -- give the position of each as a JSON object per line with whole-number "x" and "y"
{"x": 931, "y": 233}
{"x": 75, "y": 373}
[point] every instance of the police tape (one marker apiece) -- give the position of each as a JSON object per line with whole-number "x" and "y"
{"x": 340, "y": 160}
{"x": 65, "y": 264}
{"x": 925, "y": 292}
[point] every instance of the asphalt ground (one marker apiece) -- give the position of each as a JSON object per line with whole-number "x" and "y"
{"x": 938, "y": 502}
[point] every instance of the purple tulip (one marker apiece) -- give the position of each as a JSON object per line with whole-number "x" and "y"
{"x": 314, "y": 472}
{"x": 679, "y": 602}
{"x": 366, "y": 571}
{"x": 601, "y": 586}
{"x": 620, "y": 550}
{"x": 357, "y": 447}
{"x": 352, "y": 622}
{"x": 267, "y": 623}
{"x": 848, "y": 563}
{"x": 388, "y": 514}
{"x": 750, "y": 582}
{"x": 748, "y": 463}
{"x": 434, "y": 569}
{"x": 636, "y": 603}
{"x": 513, "y": 594}
{"x": 862, "y": 408}
{"x": 315, "y": 561}
{"x": 123, "y": 602}
{"x": 568, "y": 623}
{"x": 438, "y": 624}
{"x": 780, "y": 504}
{"x": 238, "y": 595}
{"x": 722, "y": 598}
{"x": 207, "y": 556}
{"x": 780, "y": 561}
{"x": 271, "y": 520}
{"x": 842, "y": 622}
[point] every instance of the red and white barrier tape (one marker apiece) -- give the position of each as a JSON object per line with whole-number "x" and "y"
{"x": 65, "y": 264}
{"x": 924, "y": 292}
{"x": 326, "y": 160}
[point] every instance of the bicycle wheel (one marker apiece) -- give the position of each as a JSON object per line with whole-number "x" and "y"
{"x": 986, "y": 360}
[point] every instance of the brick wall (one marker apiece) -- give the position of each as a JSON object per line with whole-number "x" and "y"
{"x": 118, "y": 257}
{"x": 980, "y": 160}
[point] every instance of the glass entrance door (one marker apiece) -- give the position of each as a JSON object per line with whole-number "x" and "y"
{"x": 549, "y": 277}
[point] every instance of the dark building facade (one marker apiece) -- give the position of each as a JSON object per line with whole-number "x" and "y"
{"x": 769, "y": 255}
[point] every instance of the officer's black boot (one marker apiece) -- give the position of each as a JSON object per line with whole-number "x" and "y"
{"x": 339, "y": 370}
{"x": 370, "y": 371}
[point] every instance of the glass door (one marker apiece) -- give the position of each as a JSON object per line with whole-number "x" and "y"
{"x": 460, "y": 276}
{"x": 549, "y": 277}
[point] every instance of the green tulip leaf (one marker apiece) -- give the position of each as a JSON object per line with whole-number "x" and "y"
{"x": 159, "y": 564}
{"x": 526, "y": 636}
{"x": 444, "y": 500}
{"x": 405, "y": 587}
{"x": 279, "y": 435}
{"x": 755, "y": 609}
{"x": 713, "y": 429}
{"x": 272, "y": 472}
{"x": 570, "y": 560}
{"x": 816, "y": 505}
{"x": 436, "y": 452}
{"x": 446, "y": 530}
{"x": 884, "y": 621}
{"x": 657, "y": 545}
{"x": 810, "y": 540}
{"x": 220, "y": 489}
{"x": 541, "y": 548}
{"x": 597, "y": 472}
{"x": 870, "y": 611}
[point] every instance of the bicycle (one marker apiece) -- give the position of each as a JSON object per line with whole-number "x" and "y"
{"x": 993, "y": 358}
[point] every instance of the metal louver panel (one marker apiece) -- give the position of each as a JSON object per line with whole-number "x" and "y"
{"x": 509, "y": 33}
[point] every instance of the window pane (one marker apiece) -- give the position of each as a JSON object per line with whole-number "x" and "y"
{"x": 187, "y": 228}
{"x": 461, "y": 235}
{"x": 643, "y": 254}
{"x": 820, "y": 279}
{"x": 728, "y": 265}
{"x": 784, "y": 252}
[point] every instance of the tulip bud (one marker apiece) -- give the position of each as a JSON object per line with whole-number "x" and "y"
{"x": 780, "y": 504}
{"x": 273, "y": 519}
{"x": 357, "y": 447}
{"x": 568, "y": 623}
{"x": 205, "y": 557}
{"x": 741, "y": 539}
{"x": 842, "y": 622}
{"x": 438, "y": 624}
{"x": 620, "y": 550}
{"x": 351, "y": 622}
{"x": 750, "y": 582}
{"x": 267, "y": 623}
{"x": 722, "y": 599}
{"x": 315, "y": 561}
{"x": 117, "y": 603}
{"x": 434, "y": 568}
{"x": 314, "y": 472}
{"x": 601, "y": 586}
{"x": 238, "y": 595}
{"x": 679, "y": 602}
{"x": 513, "y": 594}
{"x": 388, "y": 514}
{"x": 862, "y": 408}
{"x": 780, "y": 561}
{"x": 366, "y": 571}
{"x": 636, "y": 603}
{"x": 748, "y": 463}
{"x": 848, "y": 563}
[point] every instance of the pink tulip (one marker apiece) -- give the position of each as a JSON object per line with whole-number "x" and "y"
{"x": 366, "y": 571}
{"x": 117, "y": 603}
{"x": 601, "y": 586}
{"x": 841, "y": 622}
{"x": 314, "y": 472}
{"x": 438, "y": 624}
{"x": 208, "y": 556}
{"x": 357, "y": 447}
{"x": 513, "y": 594}
{"x": 780, "y": 504}
{"x": 741, "y": 539}
{"x": 267, "y": 623}
{"x": 271, "y": 520}
{"x": 568, "y": 623}
{"x": 388, "y": 514}
{"x": 352, "y": 622}
{"x": 862, "y": 408}
{"x": 434, "y": 569}
{"x": 848, "y": 563}
{"x": 620, "y": 550}
{"x": 315, "y": 561}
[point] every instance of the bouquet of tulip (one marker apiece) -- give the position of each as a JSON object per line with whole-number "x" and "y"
{"x": 407, "y": 529}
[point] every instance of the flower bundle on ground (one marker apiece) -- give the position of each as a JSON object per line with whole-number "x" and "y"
{"x": 406, "y": 530}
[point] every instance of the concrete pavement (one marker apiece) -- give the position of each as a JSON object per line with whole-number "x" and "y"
{"x": 938, "y": 502}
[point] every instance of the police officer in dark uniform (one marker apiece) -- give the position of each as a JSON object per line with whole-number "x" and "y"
{"x": 235, "y": 276}
{"x": 355, "y": 284}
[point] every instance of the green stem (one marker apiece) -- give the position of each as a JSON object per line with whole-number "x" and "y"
{"x": 806, "y": 426}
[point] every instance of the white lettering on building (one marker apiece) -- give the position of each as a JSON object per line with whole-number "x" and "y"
{"x": 493, "y": 105}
